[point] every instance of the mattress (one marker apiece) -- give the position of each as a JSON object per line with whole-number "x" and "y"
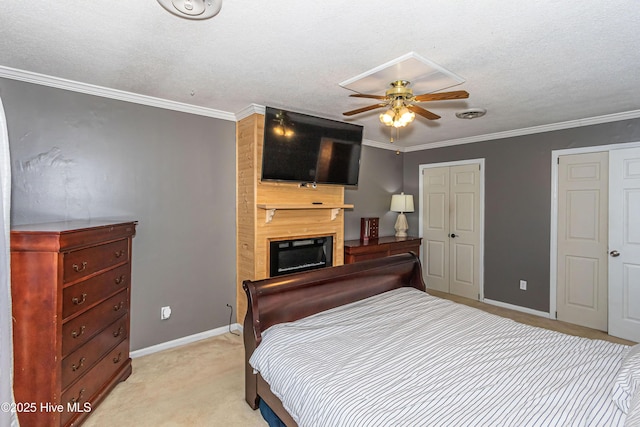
{"x": 406, "y": 358}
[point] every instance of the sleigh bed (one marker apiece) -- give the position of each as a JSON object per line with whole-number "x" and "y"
{"x": 364, "y": 345}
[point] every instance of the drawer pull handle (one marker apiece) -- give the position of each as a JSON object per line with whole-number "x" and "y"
{"x": 119, "y": 280}
{"x": 117, "y": 307}
{"x": 78, "y": 269}
{"x": 117, "y": 358}
{"x": 117, "y": 333}
{"x": 77, "y": 399}
{"x": 78, "y": 301}
{"x": 76, "y": 334}
{"x": 119, "y": 253}
{"x": 80, "y": 364}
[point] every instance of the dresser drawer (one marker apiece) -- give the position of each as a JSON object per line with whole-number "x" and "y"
{"x": 82, "y": 359}
{"x": 91, "y": 383}
{"x": 369, "y": 255}
{"x": 404, "y": 247}
{"x": 81, "y": 263}
{"x": 78, "y": 297}
{"x": 80, "y": 330}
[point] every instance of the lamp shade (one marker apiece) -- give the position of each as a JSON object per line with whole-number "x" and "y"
{"x": 402, "y": 203}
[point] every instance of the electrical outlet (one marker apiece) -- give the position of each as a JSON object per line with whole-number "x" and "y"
{"x": 523, "y": 285}
{"x": 165, "y": 313}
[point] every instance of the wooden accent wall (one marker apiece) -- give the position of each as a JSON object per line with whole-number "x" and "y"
{"x": 254, "y": 230}
{"x": 247, "y": 132}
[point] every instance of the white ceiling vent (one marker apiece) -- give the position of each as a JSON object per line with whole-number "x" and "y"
{"x": 192, "y": 9}
{"x": 471, "y": 113}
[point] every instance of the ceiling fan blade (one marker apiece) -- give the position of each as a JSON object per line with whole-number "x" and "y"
{"x": 363, "y": 109}
{"x": 365, "y": 95}
{"x": 443, "y": 96}
{"x": 424, "y": 113}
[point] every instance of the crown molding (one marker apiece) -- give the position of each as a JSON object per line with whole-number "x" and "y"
{"x": 627, "y": 115}
{"x": 383, "y": 145}
{"x": 249, "y": 110}
{"x": 120, "y": 95}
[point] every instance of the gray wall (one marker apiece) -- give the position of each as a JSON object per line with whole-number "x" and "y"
{"x": 518, "y": 202}
{"x": 81, "y": 156}
{"x": 381, "y": 175}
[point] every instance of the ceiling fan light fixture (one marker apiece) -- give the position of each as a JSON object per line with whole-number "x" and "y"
{"x": 406, "y": 115}
{"x": 401, "y": 103}
{"x": 387, "y": 117}
{"x": 192, "y": 9}
{"x": 397, "y": 116}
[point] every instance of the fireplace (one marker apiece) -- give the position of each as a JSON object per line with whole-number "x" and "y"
{"x": 293, "y": 256}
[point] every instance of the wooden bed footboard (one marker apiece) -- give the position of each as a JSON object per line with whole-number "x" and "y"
{"x": 294, "y": 296}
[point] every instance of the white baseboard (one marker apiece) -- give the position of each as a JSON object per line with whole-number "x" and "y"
{"x": 517, "y": 308}
{"x": 185, "y": 340}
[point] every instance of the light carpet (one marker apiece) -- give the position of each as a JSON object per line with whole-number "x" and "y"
{"x": 198, "y": 384}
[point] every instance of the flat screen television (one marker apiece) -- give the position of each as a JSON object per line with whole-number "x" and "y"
{"x": 306, "y": 149}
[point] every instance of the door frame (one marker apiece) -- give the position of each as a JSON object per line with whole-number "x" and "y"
{"x": 553, "y": 250}
{"x": 479, "y": 161}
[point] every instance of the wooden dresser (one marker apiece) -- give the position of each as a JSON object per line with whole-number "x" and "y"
{"x": 71, "y": 290}
{"x": 358, "y": 250}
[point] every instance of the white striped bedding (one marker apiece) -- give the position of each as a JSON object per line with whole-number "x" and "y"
{"x": 405, "y": 358}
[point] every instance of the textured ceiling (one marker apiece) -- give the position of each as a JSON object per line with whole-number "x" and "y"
{"x": 530, "y": 64}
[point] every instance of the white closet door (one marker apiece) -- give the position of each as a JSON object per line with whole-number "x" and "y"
{"x": 464, "y": 231}
{"x": 583, "y": 205}
{"x": 451, "y": 229}
{"x": 435, "y": 220}
{"x": 624, "y": 244}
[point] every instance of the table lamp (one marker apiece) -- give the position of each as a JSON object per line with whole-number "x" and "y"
{"x": 401, "y": 203}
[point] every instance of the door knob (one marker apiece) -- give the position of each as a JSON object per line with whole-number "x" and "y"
{"x": 614, "y": 253}
{"x": 453, "y": 236}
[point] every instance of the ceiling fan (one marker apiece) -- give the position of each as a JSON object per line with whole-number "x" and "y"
{"x": 399, "y": 100}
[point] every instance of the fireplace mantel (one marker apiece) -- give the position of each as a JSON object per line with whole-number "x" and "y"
{"x": 272, "y": 208}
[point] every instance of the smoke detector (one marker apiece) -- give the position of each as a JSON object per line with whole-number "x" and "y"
{"x": 192, "y": 9}
{"x": 471, "y": 113}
